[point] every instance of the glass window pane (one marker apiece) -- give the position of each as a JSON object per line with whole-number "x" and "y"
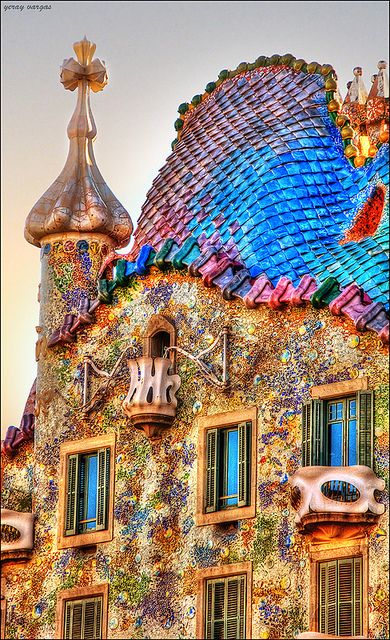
{"x": 352, "y": 408}
{"x": 335, "y": 410}
{"x": 91, "y": 491}
{"x": 336, "y": 444}
{"x": 352, "y": 453}
{"x": 232, "y": 467}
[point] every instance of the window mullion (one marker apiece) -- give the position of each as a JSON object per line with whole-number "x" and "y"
{"x": 86, "y": 492}
{"x": 212, "y": 609}
{"x": 83, "y": 621}
{"x": 345, "y": 434}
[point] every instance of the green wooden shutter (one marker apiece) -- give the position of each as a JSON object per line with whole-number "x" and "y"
{"x": 92, "y": 619}
{"x": 306, "y": 434}
{"x": 73, "y": 627}
{"x": 365, "y": 416}
{"x": 242, "y": 608}
{"x": 244, "y": 442}
{"x": 71, "y": 495}
{"x": 358, "y": 597}
{"x": 322, "y": 597}
{"x": 314, "y": 443}
{"x": 328, "y": 597}
{"x": 345, "y": 597}
{"x": 225, "y": 608}
{"x": 212, "y": 472}
{"x": 319, "y": 442}
{"x": 68, "y": 620}
{"x": 235, "y": 598}
{"x": 83, "y": 619}
{"x": 216, "y": 613}
{"x": 209, "y": 608}
{"x": 340, "y": 597}
{"x": 103, "y": 475}
{"x": 81, "y": 496}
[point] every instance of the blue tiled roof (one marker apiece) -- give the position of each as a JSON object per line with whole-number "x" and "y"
{"x": 260, "y": 169}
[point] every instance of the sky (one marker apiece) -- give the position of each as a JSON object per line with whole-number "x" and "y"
{"x": 158, "y": 55}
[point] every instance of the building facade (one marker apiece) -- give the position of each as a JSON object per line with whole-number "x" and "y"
{"x": 204, "y": 453}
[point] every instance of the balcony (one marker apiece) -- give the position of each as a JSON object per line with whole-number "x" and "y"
{"x": 151, "y": 401}
{"x": 16, "y": 535}
{"x": 329, "y": 498}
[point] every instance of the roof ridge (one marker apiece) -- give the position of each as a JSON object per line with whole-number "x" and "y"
{"x": 340, "y": 120}
{"x": 216, "y": 268}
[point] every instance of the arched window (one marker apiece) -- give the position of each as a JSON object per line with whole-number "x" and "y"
{"x": 160, "y": 334}
{"x": 159, "y": 342}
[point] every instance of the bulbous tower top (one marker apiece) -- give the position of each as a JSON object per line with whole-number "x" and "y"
{"x": 79, "y": 200}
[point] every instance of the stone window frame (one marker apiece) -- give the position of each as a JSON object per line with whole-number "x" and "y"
{"x": 158, "y": 323}
{"x": 79, "y": 447}
{"x": 224, "y": 571}
{"x": 330, "y": 551}
{"x": 80, "y": 593}
{"x": 339, "y": 389}
{"x": 3, "y": 608}
{"x": 221, "y": 421}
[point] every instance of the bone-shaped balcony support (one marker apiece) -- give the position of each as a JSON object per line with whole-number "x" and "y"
{"x": 306, "y": 484}
{"x": 23, "y": 523}
{"x": 151, "y": 401}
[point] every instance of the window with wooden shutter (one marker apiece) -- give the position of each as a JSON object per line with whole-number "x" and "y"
{"x": 244, "y": 442}
{"x": 228, "y": 467}
{"x": 314, "y": 445}
{"x": 338, "y": 432}
{"x": 365, "y": 415}
{"x": 225, "y": 608}
{"x": 88, "y": 481}
{"x": 212, "y": 476}
{"x": 71, "y": 495}
{"x": 83, "y": 619}
{"x": 340, "y": 597}
{"x": 103, "y": 488}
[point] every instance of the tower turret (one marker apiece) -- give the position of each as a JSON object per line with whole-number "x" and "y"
{"x": 78, "y": 220}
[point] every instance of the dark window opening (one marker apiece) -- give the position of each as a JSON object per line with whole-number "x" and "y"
{"x": 159, "y": 342}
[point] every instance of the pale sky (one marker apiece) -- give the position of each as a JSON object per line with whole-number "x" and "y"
{"x": 158, "y": 54}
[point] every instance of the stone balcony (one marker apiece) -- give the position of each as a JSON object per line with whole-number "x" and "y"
{"x": 151, "y": 401}
{"x": 17, "y": 537}
{"x": 329, "y": 498}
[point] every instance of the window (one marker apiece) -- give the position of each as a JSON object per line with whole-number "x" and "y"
{"x": 338, "y": 431}
{"x": 159, "y": 342}
{"x": 3, "y": 609}
{"x": 340, "y": 597}
{"x": 226, "y": 467}
{"x": 225, "y": 607}
{"x": 227, "y": 477}
{"x": 83, "y": 619}
{"x": 224, "y": 602}
{"x": 86, "y": 494}
{"x": 82, "y": 613}
{"x": 88, "y": 478}
{"x": 160, "y": 334}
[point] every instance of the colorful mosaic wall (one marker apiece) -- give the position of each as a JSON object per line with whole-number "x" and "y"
{"x": 151, "y": 565}
{"x": 69, "y": 270}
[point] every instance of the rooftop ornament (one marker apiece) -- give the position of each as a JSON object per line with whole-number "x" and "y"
{"x": 79, "y": 200}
